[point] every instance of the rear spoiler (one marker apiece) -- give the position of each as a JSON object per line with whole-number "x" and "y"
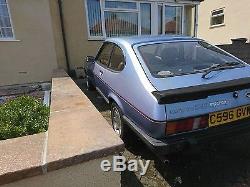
{"x": 200, "y": 91}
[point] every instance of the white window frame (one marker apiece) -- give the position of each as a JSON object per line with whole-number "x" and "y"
{"x": 137, "y": 10}
{"x": 87, "y": 21}
{"x": 154, "y": 16}
{"x": 217, "y": 15}
{"x": 11, "y": 24}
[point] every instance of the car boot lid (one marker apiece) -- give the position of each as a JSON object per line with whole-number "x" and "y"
{"x": 190, "y": 95}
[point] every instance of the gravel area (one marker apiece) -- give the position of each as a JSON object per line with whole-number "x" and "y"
{"x": 222, "y": 163}
{"x": 34, "y": 90}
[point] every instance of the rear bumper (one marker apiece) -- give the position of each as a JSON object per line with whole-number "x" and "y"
{"x": 180, "y": 141}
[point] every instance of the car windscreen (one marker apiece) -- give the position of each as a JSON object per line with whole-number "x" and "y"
{"x": 177, "y": 58}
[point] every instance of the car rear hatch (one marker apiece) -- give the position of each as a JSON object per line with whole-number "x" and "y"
{"x": 196, "y": 102}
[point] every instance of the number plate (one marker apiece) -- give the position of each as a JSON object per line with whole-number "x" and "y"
{"x": 227, "y": 116}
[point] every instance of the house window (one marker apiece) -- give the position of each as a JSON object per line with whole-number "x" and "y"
{"x": 145, "y": 9}
{"x": 120, "y": 24}
{"x": 5, "y": 22}
{"x": 173, "y": 19}
{"x": 217, "y": 17}
{"x": 115, "y": 18}
{"x": 121, "y": 18}
{"x": 94, "y": 18}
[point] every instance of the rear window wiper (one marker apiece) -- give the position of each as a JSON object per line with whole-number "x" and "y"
{"x": 216, "y": 67}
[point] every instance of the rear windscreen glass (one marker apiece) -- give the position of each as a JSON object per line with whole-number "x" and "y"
{"x": 177, "y": 58}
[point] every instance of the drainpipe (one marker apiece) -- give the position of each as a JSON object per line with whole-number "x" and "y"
{"x": 64, "y": 37}
{"x": 196, "y": 21}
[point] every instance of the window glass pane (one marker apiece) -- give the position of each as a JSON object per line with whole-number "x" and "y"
{"x": 2, "y": 1}
{"x": 94, "y": 16}
{"x": 173, "y": 20}
{"x": 218, "y": 20}
{"x": 117, "y": 61}
{"x": 7, "y": 32}
{"x": 120, "y": 5}
{"x": 217, "y": 12}
{"x": 5, "y": 24}
{"x": 104, "y": 55}
{"x": 145, "y": 18}
{"x": 160, "y": 12}
{"x": 2, "y": 21}
{"x": 121, "y": 23}
{"x": 1, "y": 35}
{"x": 4, "y": 10}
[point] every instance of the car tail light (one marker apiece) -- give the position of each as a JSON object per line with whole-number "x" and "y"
{"x": 186, "y": 125}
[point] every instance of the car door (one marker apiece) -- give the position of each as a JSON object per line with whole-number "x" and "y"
{"x": 101, "y": 71}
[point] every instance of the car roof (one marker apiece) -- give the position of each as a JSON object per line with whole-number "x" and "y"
{"x": 148, "y": 38}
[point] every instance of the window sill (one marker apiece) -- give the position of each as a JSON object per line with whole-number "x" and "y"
{"x": 9, "y": 40}
{"x": 215, "y": 26}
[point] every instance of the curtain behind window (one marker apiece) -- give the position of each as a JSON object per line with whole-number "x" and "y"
{"x": 145, "y": 18}
{"x": 121, "y": 23}
{"x": 94, "y": 16}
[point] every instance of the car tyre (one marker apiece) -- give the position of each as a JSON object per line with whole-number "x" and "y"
{"x": 89, "y": 84}
{"x": 118, "y": 124}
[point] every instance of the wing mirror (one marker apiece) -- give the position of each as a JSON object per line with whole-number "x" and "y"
{"x": 90, "y": 59}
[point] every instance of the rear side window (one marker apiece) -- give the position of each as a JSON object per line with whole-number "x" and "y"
{"x": 117, "y": 61}
{"x": 105, "y": 53}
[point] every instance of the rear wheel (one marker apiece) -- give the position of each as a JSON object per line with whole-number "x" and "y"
{"x": 117, "y": 122}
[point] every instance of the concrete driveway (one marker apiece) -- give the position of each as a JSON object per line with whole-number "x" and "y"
{"x": 224, "y": 163}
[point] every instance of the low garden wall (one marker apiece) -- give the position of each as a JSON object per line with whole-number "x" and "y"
{"x": 70, "y": 152}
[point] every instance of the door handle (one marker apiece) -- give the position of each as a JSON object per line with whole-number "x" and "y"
{"x": 101, "y": 72}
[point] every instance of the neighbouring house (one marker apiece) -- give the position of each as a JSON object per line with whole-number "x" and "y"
{"x": 223, "y": 20}
{"x": 37, "y": 36}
